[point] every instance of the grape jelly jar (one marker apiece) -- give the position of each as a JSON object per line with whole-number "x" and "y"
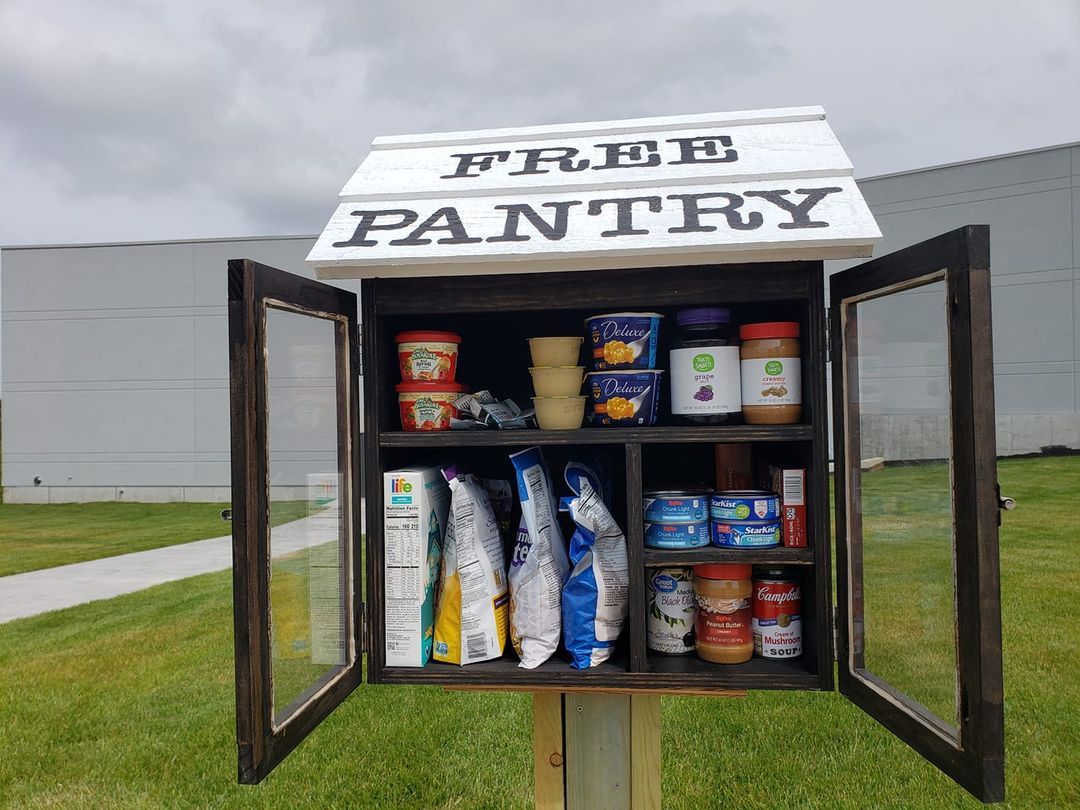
{"x": 704, "y": 368}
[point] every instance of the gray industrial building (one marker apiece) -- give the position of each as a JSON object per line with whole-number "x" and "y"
{"x": 115, "y": 378}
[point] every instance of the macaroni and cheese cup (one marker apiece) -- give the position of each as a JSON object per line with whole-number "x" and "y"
{"x": 559, "y": 413}
{"x": 557, "y": 381}
{"x": 555, "y": 351}
{"x": 624, "y": 398}
{"x": 621, "y": 340}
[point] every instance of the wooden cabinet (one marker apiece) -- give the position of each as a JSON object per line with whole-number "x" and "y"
{"x": 508, "y": 234}
{"x": 494, "y": 319}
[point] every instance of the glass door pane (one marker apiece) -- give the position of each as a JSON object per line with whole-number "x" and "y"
{"x": 901, "y": 517}
{"x": 308, "y": 556}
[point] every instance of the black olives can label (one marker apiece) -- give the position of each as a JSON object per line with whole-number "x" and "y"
{"x": 671, "y": 610}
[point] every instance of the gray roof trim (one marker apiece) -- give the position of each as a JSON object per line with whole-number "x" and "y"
{"x": 984, "y": 159}
{"x": 201, "y": 241}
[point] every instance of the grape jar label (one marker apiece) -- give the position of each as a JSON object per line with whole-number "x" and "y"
{"x": 705, "y": 380}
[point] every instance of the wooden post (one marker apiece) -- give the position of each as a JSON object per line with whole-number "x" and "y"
{"x": 610, "y": 744}
{"x": 548, "y": 770}
{"x": 645, "y": 752}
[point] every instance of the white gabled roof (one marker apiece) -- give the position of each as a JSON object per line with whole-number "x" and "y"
{"x": 766, "y": 185}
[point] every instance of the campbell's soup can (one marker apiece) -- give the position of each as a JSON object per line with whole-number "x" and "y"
{"x": 671, "y": 610}
{"x": 777, "y": 616}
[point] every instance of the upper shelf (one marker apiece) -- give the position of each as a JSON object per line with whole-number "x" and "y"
{"x": 642, "y": 435}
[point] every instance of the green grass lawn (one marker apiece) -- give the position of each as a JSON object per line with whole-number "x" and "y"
{"x": 34, "y": 536}
{"x": 129, "y": 703}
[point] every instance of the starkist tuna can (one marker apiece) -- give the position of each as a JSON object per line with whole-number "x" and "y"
{"x": 677, "y": 535}
{"x": 735, "y": 534}
{"x": 623, "y": 339}
{"x": 745, "y": 504}
{"x": 672, "y": 506}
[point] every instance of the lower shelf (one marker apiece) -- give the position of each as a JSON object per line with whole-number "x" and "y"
{"x": 690, "y": 665}
{"x": 674, "y": 673}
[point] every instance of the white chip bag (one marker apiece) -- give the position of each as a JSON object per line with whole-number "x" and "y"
{"x": 539, "y": 566}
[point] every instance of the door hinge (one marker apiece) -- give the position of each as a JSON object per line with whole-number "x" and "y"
{"x": 359, "y": 361}
{"x": 828, "y": 334}
{"x": 835, "y": 635}
{"x": 362, "y": 621}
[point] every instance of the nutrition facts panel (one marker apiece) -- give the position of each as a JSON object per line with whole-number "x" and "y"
{"x": 403, "y": 580}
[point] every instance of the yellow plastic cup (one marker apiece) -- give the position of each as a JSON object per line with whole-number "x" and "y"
{"x": 559, "y": 413}
{"x": 557, "y": 381}
{"x": 555, "y": 351}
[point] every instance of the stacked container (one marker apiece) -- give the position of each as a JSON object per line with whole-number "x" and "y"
{"x": 745, "y": 518}
{"x": 676, "y": 519}
{"x": 556, "y": 378}
{"x": 624, "y": 385}
{"x": 428, "y": 388}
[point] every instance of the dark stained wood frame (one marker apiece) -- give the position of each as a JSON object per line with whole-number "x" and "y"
{"x": 973, "y": 754}
{"x": 646, "y": 288}
{"x": 252, "y": 287}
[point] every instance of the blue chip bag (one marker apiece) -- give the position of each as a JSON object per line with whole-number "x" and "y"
{"x": 595, "y": 597}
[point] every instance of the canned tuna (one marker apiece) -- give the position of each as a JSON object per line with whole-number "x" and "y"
{"x": 670, "y": 506}
{"x": 732, "y": 534}
{"x": 676, "y": 535}
{"x": 743, "y": 505}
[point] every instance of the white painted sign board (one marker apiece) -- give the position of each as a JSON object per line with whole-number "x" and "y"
{"x": 769, "y": 185}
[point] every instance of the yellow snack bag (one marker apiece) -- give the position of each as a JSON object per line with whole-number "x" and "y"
{"x": 472, "y": 615}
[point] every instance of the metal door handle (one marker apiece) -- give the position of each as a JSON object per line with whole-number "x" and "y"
{"x": 1006, "y": 503}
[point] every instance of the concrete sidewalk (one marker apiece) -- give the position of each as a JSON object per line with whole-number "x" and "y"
{"x": 35, "y": 592}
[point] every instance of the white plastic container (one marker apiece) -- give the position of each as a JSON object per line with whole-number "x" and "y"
{"x": 555, "y": 351}
{"x": 559, "y": 413}
{"x": 557, "y": 381}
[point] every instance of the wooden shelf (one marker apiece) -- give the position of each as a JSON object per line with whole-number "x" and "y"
{"x": 662, "y": 674}
{"x": 643, "y": 435}
{"x": 777, "y": 673}
{"x": 655, "y": 557}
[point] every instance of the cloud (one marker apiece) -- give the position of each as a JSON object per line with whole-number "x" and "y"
{"x": 164, "y": 120}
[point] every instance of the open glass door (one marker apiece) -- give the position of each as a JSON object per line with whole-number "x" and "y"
{"x": 293, "y": 355}
{"x": 918, "y": 600}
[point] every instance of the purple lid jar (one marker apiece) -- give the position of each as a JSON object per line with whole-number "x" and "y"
{"x": 701, "y": 328}
{"x": 703, "y": 316}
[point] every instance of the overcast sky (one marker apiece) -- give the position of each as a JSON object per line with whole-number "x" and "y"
{"x": 141, "y": 119}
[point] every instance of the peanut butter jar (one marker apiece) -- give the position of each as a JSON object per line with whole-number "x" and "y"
{"x": 723, "y": 627}
{"x": 771, "y": 369}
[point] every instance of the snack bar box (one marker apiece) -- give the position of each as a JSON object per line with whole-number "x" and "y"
{"x": 501, "y": 235}
{"x": 416, "y": 502}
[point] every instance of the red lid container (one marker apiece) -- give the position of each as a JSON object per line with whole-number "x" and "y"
{"x": 724, "y": 570}
{"x": 428, "y": 356}
{"x": 770, "y": 329}
{"x": 421, "y": 336}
